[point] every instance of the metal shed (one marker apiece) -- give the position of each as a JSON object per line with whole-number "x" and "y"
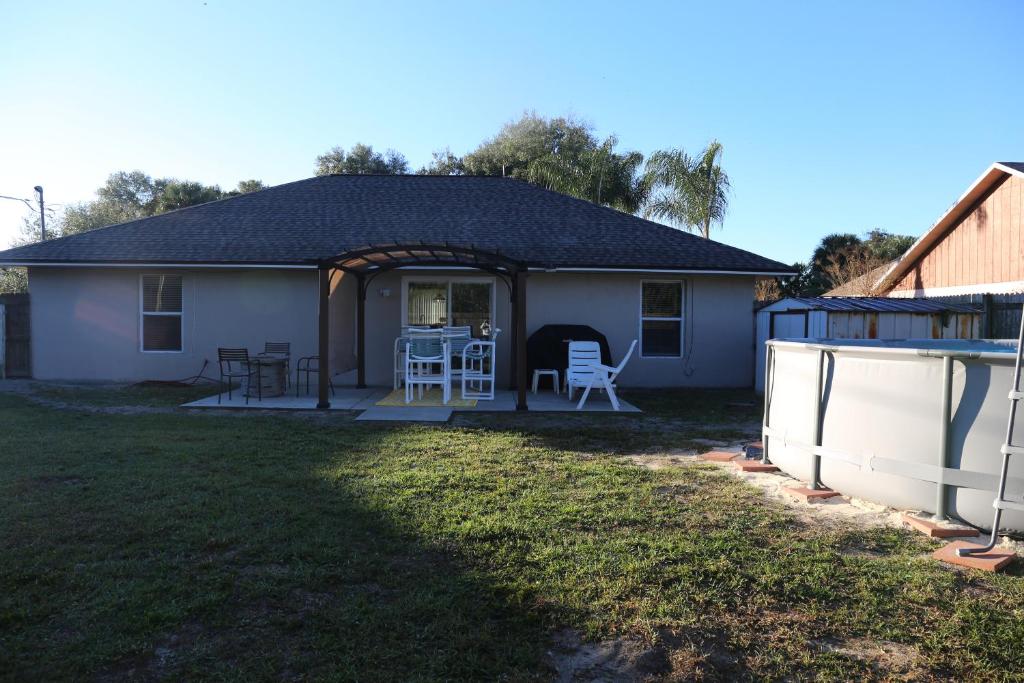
{"x": 863, "y": 317}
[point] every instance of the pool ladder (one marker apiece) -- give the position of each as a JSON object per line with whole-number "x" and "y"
{"x": 1009, "y": 448}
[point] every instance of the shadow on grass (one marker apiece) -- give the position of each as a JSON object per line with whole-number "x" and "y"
{"x": 174, "y": 546}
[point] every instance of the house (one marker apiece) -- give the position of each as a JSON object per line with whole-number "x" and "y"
{"x": 974, "y": 252}
{"x": 336, "y": 265}
{"x": 862, "y": 285}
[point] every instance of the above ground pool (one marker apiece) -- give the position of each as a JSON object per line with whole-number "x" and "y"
{"x": 915, "y": 424}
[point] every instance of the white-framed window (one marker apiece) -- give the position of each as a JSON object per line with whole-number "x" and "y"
{"x": 438, "y": 301}
{"x": 160, "y": 313}
{"x": 661, "y": 318}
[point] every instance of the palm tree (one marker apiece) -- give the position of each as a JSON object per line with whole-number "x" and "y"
{"x": 600, "y": 175}
{"x": 692, "y": 192}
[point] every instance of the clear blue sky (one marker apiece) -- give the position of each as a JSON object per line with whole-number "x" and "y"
{"x": 834, "y": 116}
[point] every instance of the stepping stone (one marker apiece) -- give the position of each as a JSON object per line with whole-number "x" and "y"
{"x": 937, "y": 530}
{"x": 809, "y": 495}
{"x": 992, "y": 561}
{"x": 718, "y": 456}
{"x": 755, "y": 466}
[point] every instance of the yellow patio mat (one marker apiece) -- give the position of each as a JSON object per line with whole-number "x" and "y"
{"x": 433, "y": 397}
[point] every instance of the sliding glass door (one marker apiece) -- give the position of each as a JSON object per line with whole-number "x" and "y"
{"x": 439, "y": 302}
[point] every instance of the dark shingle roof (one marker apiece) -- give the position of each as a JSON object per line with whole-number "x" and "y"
{"x": 315, "y": 219}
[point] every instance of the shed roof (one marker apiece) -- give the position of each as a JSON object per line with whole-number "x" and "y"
{"x": 309, "y": 221}
{"x": 872, "y": 304}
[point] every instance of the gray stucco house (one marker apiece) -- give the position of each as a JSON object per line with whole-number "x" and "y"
{"x": 340, "y": 263}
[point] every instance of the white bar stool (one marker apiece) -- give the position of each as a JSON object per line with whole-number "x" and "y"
{"x": 537, "y": 374}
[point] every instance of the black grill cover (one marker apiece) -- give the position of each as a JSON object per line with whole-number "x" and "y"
{"x": 548, "y": 347}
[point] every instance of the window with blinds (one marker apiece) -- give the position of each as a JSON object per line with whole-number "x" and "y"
{"x": 661, "y": 319}
{"x": 161, "y": 313}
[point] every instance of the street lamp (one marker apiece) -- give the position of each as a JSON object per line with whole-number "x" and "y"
{"x": 42, "y": 214}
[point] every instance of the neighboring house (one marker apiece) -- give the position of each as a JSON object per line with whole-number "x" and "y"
{"x": 364, "y": 255}
{"x": 974, "y": 252}
{"x": 862, "y": 285}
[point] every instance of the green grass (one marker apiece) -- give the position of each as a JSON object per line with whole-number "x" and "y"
{"x": 146, "y": 395}
{"x": 253, "y": 547}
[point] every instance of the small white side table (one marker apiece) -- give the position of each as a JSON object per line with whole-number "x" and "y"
{"x": 553, "y": 374}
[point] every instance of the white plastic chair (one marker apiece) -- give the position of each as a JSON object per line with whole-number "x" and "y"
{"x": 427, "y": 363}
{"x": 602, "y": 376}
{"x": 398, "y": 362}
{"x": 478, "y": 370}
{"x": 582, "y": 356}
{"x": 458, "y": 338}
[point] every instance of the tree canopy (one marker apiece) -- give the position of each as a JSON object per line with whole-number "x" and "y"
{"x": 361, "y": 159}
{"x": 842, "y": 259}
{"x": 564, "y": 155}
{"x": 130, "y": 195}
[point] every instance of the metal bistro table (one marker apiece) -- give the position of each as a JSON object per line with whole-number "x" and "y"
{"x": 270, "y": 378}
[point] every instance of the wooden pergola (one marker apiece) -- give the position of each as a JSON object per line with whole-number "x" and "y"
{"x": 366, "y": 263}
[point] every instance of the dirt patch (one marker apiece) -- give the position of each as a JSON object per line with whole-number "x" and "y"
{"x": 49, "y": 480}
{"x": 834, "y": 512}
{"x": 622, "y": 659}
{"x": 883, "y": 656}
{"x": 162, "y": 661}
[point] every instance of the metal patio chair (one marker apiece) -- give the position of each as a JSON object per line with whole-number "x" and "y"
{"x": 282, "y": 350}
{"x": 309, "y": 365}
{"x": 235, "y": 363}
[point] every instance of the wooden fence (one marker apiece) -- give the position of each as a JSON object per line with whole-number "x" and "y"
{"x": 15, "y": 359}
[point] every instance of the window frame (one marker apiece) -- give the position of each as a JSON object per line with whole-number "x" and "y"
{"x": 450, "y": 280}
{"x": 166, "y": 314}
{"x": 680, "y": 319}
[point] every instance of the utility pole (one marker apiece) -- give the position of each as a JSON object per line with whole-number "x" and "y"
{"x": 42, "y": 214}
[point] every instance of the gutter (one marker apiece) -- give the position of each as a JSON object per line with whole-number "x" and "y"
{"x": 293, "y": 266}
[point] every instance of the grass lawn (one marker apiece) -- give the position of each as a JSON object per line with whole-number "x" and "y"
{"x": 182, "y": 545}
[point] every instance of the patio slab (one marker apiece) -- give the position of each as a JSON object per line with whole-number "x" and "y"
{"x": 345, "y": 398}
{"x": 350, "y": 398}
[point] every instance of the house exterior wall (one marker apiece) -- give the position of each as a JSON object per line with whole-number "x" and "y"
{"x": 983, "y": 249}
{"x": 86, "y": 325}
{"x": 718, "y": 346}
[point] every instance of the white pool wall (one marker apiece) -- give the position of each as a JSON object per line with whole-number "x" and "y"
{"x": 881, "y": 415}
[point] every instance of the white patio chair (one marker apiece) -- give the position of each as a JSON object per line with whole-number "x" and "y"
{"x": 601, "y": 376}
{"x": 427, "y": 363}
{"x": 398, "y": 362}
{"x": 582, "y": 356}
{"x": 478, "y": 370}
{"x": 458, "y": 338}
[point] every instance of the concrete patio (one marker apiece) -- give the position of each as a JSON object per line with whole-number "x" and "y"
{"x": 365, "y": 400}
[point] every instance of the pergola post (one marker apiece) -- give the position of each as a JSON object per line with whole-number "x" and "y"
{"x": 520, "y": 338}
{"x": 324, "y": 336}
{"x": 360, "y": 331}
